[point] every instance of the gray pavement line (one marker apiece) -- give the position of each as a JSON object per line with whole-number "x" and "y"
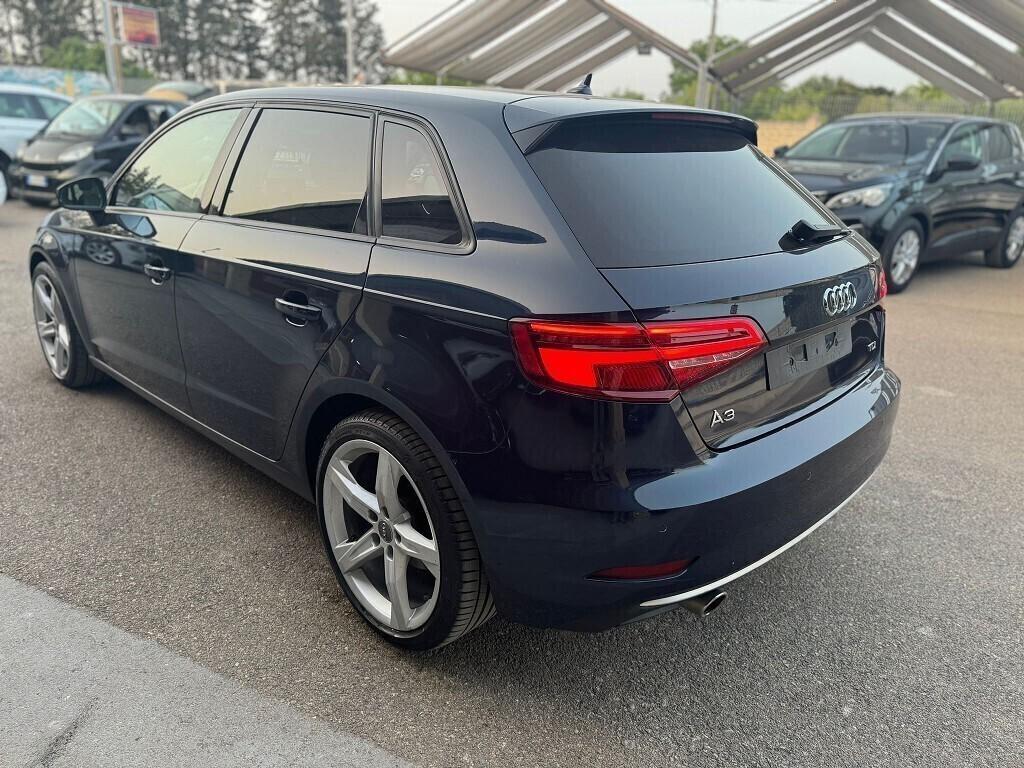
{"x": 77, "y": 691}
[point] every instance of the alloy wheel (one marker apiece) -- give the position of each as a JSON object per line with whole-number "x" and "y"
{"x": 1015, "y": 240}
{"x": 51, "y": 326}
{"x": 905, "y": 255}
{"x": 381, "y": 535}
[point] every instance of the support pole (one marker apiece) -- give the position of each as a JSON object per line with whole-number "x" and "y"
{"x": 113, "y": 65}
{"x": 703, "y": 89}
{"x": 350, "y": 52}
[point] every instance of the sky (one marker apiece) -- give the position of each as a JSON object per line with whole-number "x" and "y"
{"x": 683, "y": 21}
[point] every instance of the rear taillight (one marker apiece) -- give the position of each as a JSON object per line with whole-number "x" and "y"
{"x": 883, "y": 285}
{"x": 629, "y": 361}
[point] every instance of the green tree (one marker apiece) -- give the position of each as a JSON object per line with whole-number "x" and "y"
{"x": 412, "y": 77}
{"x": 682, "y": 82}
{"x": 80, "y": 54}
{"x": 628, "y": 93}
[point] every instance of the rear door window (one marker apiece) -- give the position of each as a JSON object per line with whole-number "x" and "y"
{"x": 17, "y": 105}
{"x": 305, "y": 169}
{"x": 649, "y": 190}
{"x": 416, "y": 203}
{"x": 51, "y": 107}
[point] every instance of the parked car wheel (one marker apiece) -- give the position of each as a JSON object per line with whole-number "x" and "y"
{"x": 62, "y": 345}
{"x": 1011, "y": 244}
{"x": 5, "y": 181}
{"x": 396, "y": 534}
{"x": 901, "y": 253}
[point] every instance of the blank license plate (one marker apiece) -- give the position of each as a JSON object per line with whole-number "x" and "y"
{"x": 35, "y": 181}
{"x": 809, "y": 354}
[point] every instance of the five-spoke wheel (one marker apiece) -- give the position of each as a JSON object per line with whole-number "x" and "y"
{"x": 381, "y": 536}
{"x": 397, "y": 535}
{"x": 51, "y": 325}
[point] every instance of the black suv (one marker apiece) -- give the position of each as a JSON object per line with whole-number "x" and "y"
{"x": 580, "y": 361}
{"x": 919, "y": 187}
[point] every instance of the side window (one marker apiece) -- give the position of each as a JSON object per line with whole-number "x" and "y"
{"x": 138, "y": 122}
{"x": 51, "y": 107}
{"x": 172, "y": 172}
{"x": 1000, "y": 147}
{"x": 966, "y": 142}
{"x": 415, "y": 203}
{"x": 17, "y": 105}
{"x": 306, "y": 169}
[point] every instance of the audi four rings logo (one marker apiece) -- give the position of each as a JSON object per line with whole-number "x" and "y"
{"x": 839, "y": 298}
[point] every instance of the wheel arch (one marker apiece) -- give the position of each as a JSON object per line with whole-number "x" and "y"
{"x": 335, "y": 399}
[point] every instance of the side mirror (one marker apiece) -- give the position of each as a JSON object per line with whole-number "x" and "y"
{"x": 85, "y": 194}
{"x": 781, "y": 151}
{"x": 962, "y": 163}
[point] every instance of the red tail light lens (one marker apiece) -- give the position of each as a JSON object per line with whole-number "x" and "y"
{"x": 629, "y": 361}
{"x": 659, "y": 571}
{"x": 883, "y": 285}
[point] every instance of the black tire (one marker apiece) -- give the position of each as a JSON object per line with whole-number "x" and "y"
{"x": 1001, "y": 256}
{"x": 4, "y": 165}
{"x": 464, "y": 599}
{"x": 889, "y": 251}
{"x": 80, "y": 372}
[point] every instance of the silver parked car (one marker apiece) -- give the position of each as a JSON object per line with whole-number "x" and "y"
{"x": 24, "y": 110}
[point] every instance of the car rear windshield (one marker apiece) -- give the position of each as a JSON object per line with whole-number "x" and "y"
{"x": 653, "y": 190}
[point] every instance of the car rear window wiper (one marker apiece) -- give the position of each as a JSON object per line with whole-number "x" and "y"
{"x": 808, "y": 234}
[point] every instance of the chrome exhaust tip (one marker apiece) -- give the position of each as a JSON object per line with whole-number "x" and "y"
{"x": 703, "y": 605}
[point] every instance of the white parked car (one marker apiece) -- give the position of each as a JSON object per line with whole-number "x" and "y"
{"x": 24, "y": 109}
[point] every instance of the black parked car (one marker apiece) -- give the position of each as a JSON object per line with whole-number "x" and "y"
{"x": 92, "y": 137}
{"x": 919, "y": 187}
{"x": 578, "y": 360}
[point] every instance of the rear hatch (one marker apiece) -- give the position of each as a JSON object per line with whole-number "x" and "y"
{"x": 687, "y": 219}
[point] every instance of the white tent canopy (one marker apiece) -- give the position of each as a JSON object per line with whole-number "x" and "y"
{"x": 921, "y": 35}
{"x": 542, "y": 44}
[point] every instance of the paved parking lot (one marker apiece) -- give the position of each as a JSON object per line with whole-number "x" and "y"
{"x": 892, "y": 637}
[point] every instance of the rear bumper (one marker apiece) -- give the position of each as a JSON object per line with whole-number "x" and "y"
{"x": 729, "y": 512}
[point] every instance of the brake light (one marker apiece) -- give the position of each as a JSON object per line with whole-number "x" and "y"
{"x": 883, "y": 285}
{"x": 630, "y": 361}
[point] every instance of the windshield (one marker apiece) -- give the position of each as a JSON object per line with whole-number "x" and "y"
{"x": 91, "y": 117}
{"x": 883, "y": 143}
{"x": 649, "y": 190}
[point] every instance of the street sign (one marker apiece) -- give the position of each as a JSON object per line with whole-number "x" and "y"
{"x": 137, "y": 25}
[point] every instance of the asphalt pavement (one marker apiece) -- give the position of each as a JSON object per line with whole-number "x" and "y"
{"x": 893, "y": 636}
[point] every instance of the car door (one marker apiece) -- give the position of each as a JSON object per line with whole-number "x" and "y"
{"x": 124, "y": 260}
{"x": 958, "y": 204}
{"x": 1003, "y": 174}
{"x": 271, "y": 275}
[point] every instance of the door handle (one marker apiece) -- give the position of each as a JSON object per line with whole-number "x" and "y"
{"x": 157, "y": 273}
{"x": 297, "y": 313}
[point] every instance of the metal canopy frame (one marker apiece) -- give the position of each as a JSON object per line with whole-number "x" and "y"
{"x": 540, "y": 44}
{"x": 920, "y": 35}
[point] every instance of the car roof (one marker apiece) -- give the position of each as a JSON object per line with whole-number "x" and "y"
{"x": 37, "y": 90}
{"x": 131, "y": 98}
{"x": 531, "y": 107}
{"x": 907, "y": 117}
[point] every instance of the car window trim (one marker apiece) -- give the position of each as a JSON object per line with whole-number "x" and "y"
{"x": 234, "y": 157}
{"x": 115, "y": 179}
{"x": 468, "y": 243}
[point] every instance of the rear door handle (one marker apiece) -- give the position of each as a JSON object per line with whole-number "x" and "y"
{"x": 295, "y": 312}
{"x": 157, "y": 273}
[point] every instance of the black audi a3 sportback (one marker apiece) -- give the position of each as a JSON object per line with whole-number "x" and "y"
{"x": 576, "y": 360}
{"x": 919, "y": 187}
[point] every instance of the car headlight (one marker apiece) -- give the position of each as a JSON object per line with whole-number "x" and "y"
{"x": 75, "y": 153}
{"x": 19, "y": 153}
{"x": 870, "y": 197}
